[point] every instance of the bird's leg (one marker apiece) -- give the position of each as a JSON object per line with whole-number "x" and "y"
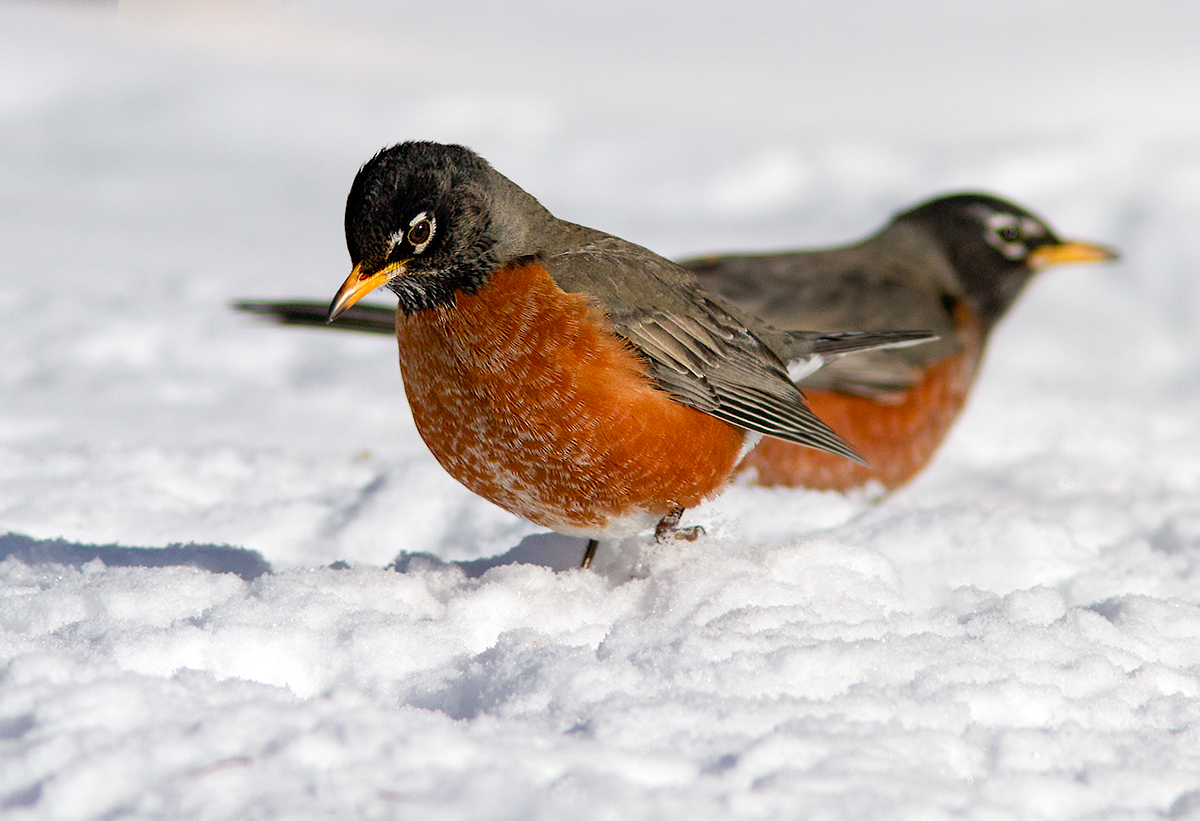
{"x": 669, "y": 524}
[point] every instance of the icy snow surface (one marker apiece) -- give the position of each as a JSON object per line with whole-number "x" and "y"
{"x": 201, "y": 613}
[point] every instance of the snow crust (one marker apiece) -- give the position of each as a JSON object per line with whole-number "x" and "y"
{"x": 236, "y": 585}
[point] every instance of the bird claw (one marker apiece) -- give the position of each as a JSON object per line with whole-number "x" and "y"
{"x": 670, "y": 526}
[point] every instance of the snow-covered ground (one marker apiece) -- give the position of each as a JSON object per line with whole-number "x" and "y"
{"x": 1015, "y": 635}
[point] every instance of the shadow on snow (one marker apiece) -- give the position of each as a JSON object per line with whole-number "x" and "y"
{"x": 248, "y": 564}
{"x": 552, "y": 550}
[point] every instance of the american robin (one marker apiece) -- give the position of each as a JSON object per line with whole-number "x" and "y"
{"x": 569, "y": 376}
{"x": 954, "y": 265}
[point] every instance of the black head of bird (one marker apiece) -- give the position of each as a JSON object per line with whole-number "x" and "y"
{"x": 996, "y": 247}
{"x": 429, "y": 220}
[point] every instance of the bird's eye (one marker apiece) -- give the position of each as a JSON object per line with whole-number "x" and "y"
{"x": 1003, "y": 232}
{"x": 420, "y": 231}
{"x": 419, "y": 234}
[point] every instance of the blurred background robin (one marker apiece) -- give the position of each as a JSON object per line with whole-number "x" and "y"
{"x": 954, "y": 265}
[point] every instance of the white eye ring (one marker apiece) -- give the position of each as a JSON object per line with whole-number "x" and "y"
{"x": 398, "y": 237}
{"x": 996, "y": 224}
{"x": 424, "y": 215}
{"x": 1032, "y": 228}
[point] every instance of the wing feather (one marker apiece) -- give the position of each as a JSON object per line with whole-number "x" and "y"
{"x": 696, "y": 348}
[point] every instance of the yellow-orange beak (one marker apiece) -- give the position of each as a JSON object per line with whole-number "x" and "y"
{"x": 1069, "y": 251}
{"x": 359, "y": 284}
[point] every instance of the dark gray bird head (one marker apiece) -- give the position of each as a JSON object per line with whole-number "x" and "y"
{"x": 429, "y": 220}
{"x": 996, "y": 247}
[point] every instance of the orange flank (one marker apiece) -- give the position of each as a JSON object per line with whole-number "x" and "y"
{"x": 525, "y": 396}
{"x": 897, "y": 437}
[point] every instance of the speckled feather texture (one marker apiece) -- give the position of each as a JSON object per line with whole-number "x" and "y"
{"x": 1012, "y": 636}
{"x": 525, "y": 396}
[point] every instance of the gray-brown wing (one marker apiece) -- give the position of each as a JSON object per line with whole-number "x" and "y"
{"x": 891, "y": 281}
{"x": 696, "y": 350}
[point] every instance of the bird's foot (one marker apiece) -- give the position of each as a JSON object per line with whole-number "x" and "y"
{"x": 669, "y": 526}
{"x": 689, "y": 534}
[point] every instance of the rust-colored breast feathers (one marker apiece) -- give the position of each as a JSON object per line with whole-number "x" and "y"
{"x": 896, "y": 438}
{"x": 525, "y": 396}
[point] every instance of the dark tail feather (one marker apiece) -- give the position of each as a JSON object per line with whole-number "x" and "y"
{"x": 375, "y": 319}
{"x": 847, "y": 342}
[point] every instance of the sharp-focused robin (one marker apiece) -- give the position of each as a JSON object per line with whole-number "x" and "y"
{"x": 953, "y": 265}
{"x": 569, "y": 376}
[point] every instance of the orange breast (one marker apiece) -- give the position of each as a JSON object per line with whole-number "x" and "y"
{"x": 896, "y": 438}
{"x": 523, "y": 394}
